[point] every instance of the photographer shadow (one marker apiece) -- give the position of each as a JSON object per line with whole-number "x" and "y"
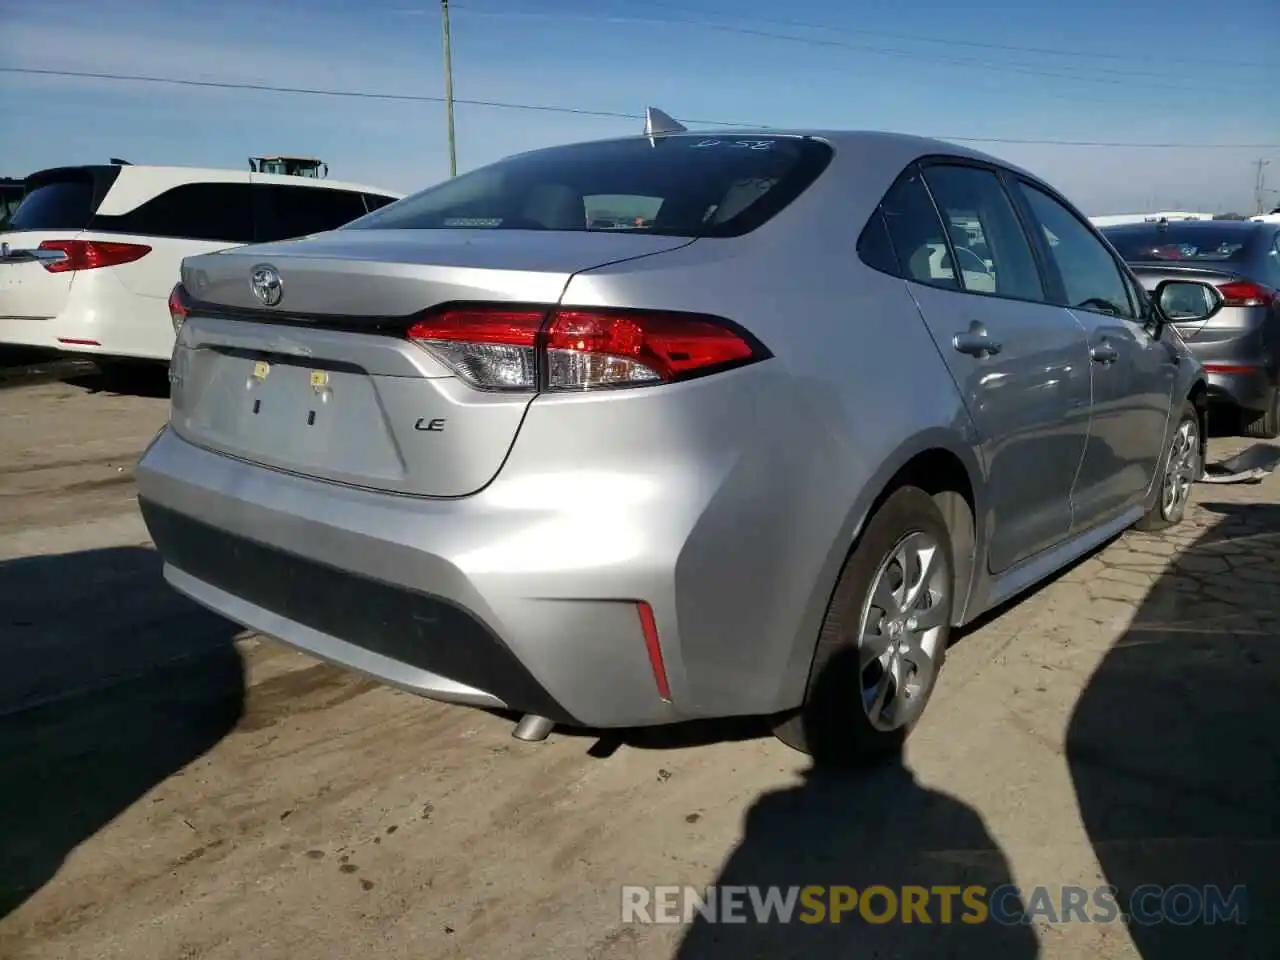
{"x": 874, "y": 828}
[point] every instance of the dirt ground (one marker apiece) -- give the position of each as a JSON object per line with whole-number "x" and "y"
{"x": 171, "y": 787}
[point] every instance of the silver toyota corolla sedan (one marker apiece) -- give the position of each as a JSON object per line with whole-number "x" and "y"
{"x": 670, "y": 427}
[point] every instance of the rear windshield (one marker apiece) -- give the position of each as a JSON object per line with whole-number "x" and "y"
{"x": 65, "y": 204}
{"x": 1199, "y": 244}
{"x": 681, "y": 186}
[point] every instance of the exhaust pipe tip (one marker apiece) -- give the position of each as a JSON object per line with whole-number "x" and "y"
{"x": 532, "y": 728}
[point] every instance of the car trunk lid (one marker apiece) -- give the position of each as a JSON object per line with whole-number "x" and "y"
{"x": 324, "y": 383}
{"x": 57, "y": 207}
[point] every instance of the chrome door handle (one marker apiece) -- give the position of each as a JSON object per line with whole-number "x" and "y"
{"x": 9, "y": 255}
{"x": 1104, "y": 353}
{"x": 976, "y": 342}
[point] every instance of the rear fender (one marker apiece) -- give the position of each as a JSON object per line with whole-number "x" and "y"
{"x": 963, "y": 444}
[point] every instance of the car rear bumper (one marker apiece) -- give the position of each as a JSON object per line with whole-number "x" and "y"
{"x": 523, "y": 596}
{"x": 101, "y": 317}
{"x": 28, "y": 332}
{"x": 403, "y": 636}
{"x": 1239, "y": 359}
{"x": 420, "y": 594}
{"x": 1247, "y": 388}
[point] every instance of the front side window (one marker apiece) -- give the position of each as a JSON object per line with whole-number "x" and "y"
{"x": 1091, "y": 278}
{"x": 680, "y": 186}
{"x": 991, "y": 249}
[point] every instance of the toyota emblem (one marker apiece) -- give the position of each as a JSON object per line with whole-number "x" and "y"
{"x": 266, "y": 284}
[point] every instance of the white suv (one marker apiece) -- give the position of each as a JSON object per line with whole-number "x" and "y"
{"x": 91, "y": 254}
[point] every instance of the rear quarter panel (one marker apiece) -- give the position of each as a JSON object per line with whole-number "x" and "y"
{"x": 806, "y": 440}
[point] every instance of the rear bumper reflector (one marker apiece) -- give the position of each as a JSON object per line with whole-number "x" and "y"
{"x": 1232, "y": 367}
{"x": 650, "y": 628}
{"x": 72, "y": 341}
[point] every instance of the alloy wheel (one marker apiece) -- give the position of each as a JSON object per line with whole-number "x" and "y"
{"x": 903, "y": 622}
{"x": 1182, "y": 469}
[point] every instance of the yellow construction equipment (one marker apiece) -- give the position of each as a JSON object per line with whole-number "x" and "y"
{"x": 290, "y": 166}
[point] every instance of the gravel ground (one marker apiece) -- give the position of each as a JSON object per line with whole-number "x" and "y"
{"x": 172, "y": 787}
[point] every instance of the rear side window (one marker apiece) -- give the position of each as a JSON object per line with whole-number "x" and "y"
{"x": 1174, "y": 242}
{"x": 680, "y": 186}
{"x": 65, "y": 204}
{"x": 875, "y": 246}
{"x": 218, "y": 212}
{"x": 286, "y": 212}
{"x": 993, "y": 253}
{"x": 917, "y": 233}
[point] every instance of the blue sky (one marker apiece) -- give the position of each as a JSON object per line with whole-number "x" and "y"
{"x": 1158, "y": 71}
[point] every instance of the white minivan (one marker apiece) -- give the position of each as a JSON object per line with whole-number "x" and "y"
{"x": 89, "y": 258}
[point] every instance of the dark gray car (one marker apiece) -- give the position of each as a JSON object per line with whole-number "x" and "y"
{"x": 1240, "y": 344}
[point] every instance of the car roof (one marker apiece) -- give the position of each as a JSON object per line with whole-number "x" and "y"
{"x": 164, "y": 177}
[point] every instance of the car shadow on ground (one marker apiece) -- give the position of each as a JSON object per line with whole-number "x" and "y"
{"x": 110, "y": 682}
{"x": 1174, "y": 747}
{"x": 877, "y": 828}
{"x": 146, "y": 380}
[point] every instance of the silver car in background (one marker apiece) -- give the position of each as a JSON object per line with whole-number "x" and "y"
{"x": 1239, "y": 346}
{"x": 754, "y": 449}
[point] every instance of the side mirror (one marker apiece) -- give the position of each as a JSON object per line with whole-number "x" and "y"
{"x": 1178, "y": 301}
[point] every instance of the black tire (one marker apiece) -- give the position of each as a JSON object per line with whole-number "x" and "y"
{"x": 1161, "y": 516}
{"x": 1266, "y": 424}
{"x": 832, "y": 725}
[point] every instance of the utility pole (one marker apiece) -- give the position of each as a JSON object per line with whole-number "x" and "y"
{"x": 1260, "y": 185}
{"x": 448, "y": 87}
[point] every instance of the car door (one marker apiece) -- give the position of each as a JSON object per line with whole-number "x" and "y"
{"x": 1020, "y": 363}
{"x": 1133, "y": 370}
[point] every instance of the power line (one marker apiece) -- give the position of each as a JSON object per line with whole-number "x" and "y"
{"x": 976, "y": 44}
{"x": 575, "y": 111}
{"x": 1126, "y": 78}
{"x": 360, "y": 95}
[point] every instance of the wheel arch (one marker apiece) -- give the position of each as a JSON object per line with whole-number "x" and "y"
{"x": 939, "y": 461}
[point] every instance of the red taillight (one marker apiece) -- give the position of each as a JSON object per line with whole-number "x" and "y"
{"x": 178, "y": 306}
{"x": 1245, "y": 293}
{"x": 497, "y": 347}
{"x": 91, "y": 254}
